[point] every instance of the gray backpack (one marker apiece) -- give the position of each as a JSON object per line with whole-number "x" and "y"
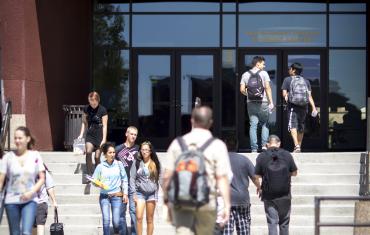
{"x": 298, "y": 91}
{"x": 189, "y": 184}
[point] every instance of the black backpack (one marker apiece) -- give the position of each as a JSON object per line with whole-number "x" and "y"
{"x": 189, "y": 183}
{"x": 255, "y": 88}
{"x": 276, "y": 177}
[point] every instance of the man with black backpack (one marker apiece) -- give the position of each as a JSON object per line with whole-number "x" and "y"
{"x": 197, "y": 163}
{"x": 255, "y": 84}
{"x": 297, "y": 93}
{"x": 276, "y": 166}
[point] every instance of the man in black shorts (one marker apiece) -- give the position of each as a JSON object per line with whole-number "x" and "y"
{"x": 297, "y": 93}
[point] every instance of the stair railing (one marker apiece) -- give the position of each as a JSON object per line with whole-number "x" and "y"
{"x": 5, "y": 128}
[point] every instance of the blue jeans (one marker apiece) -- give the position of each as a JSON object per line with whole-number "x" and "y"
{"x": 21, "y": 212}
{"x": 258, "y": 114}
{"x": 119, "y": 223}
{"x": 132, "y": 210}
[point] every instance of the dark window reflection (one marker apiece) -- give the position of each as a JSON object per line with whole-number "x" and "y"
{"x": 228, "y": 30}
{"x": 281, "y": 6}
{"x": 291, "y": 30}
{"x": 196, "y": 81}
{"x": 175, "y": 6}
{"x": 176, "y": 30}
{"x": 347, "y": 99}
{"x": 347, "y": 30}
{"x": 229, "y": 89}
{"x": 111, "y": 30}
{"x": 154, "y": 95}
{"x": 311, "y": 71}
{"x": 111, "y": 7}
{"x": 111, "y": 80}
{"x": 348, "y": 7}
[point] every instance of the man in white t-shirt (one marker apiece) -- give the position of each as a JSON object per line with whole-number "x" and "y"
{"x": 255, "y": 84}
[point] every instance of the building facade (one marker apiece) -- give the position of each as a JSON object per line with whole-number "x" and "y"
{"x": 150, "y": 59}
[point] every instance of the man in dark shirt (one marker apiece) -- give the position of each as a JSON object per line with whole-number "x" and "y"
{"x": 126, "y": 153}
{"x": 277, "y": 208}
{"x": 242, "y": 169}
{"x": 297, "y": 113}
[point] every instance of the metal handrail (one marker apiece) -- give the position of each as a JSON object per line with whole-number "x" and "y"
{"x": 5, "y": 127}
{"x": 364, "y": 175}
{"x": 319, "y": 224}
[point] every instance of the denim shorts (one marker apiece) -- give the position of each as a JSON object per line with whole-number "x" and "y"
{"x": 147, "y": 197}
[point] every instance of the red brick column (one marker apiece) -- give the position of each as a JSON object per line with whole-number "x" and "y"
{"x": 22, "y": 67}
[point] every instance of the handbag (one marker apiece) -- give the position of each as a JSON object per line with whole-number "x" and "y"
{"x": 56, "y": 228}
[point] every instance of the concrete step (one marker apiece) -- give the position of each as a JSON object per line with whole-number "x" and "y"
{"x": 303, "y": 168}
{"x": 297, "y": 189}
{"x": 61, "y": 178}
{"x": 330, "y": 157}
{"x": 256, "y": 209}
{"x": 159, "y": 230}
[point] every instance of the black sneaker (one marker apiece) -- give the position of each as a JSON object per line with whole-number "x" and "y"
{"x": 87, "y": 189}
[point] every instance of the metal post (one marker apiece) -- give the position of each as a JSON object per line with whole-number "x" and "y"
{"x": 10, "y": 117}
{"x": 367, "y": 173}
{"x": 317, "y": 216}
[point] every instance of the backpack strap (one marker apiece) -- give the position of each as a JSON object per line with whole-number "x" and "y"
{"x": 206, "y": 144}
{"x": 182, "y": 143}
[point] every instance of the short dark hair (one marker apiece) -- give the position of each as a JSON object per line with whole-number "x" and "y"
{"x": 257, "y": 59}
{"x": 274, "y": 138}
{"x": 297, "y": 67}
{"x": 106, "y": 147}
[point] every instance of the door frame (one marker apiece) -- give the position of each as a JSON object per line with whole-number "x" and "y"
{"x": 282, "y": 72}
{"x": 175, "y": 89}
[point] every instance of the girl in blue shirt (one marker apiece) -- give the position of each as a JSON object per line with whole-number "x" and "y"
{"x": 113, "y": 175}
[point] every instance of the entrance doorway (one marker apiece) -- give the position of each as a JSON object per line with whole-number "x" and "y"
{"x": 164, "y": 86}
{"x": 277, "y": 64}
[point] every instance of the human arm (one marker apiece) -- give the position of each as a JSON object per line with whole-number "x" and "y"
{"x": 312, "y": 102}
{"x": 40, "y": 181}
{"x": 133, "y": 179}
{"x": 52, "y": 196}
{"x": 2, "y": 179}
{"x": 243, "y": 89}
{"x": 285, "y": 95}
{"x": 124, "y": 182}
{"x": 269, "y": 94}
{"x": 223, "y": 185}
{"x": 105, "y": 128}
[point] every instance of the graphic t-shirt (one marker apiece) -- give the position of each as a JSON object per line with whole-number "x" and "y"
{"x": 21, "y": 177}
{"x": 127, "y": 156}
{"x": 43, "y": 195}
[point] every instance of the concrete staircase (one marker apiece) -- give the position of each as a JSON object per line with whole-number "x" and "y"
{"x": 318, "y": 174}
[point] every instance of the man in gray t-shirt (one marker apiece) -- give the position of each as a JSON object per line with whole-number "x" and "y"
{"x": 258, "y": 110}
{"x": 243, "y": 170}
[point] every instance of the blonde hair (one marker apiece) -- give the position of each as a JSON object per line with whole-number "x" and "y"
{"x": 131, "y": 128}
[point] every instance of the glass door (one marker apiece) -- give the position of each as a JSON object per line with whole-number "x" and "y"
{"x": 166, "y": 84}
{"x": 277, "y": 63}
{"x": 272, "y": 63}
{"x": 315, "y": 133}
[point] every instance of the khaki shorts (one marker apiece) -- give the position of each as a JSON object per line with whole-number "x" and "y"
{"x": 200, "y": 222}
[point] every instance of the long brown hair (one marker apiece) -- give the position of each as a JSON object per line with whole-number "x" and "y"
{"x": 27, "y": 133}
{"x": 154, "y": 166}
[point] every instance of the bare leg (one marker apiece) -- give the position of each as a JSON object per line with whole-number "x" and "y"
{"x": 40, "y": 229}
{"x": 150, "y": 207}
{"x": 294, "y": 134}
{"x": 300, "y": 138}
{"x": 140, "y": 206}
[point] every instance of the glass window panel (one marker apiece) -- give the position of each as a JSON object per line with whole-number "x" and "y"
{"x": 282, "y": 6}
{"x": 229, "y": 6}
{"x": 154, "y": 74}
{"x": 112, "y": 7}
{"x": 111, "y": 80}
{"x": 176, "y": 7}
{"x": 228, "y": 30}
{"x": 176, "y": 30}
{"x": 228, "y": 89}
{"x": 111, "y": 30}
{"x": 196, "y": 81}
{"x": 282, "y": 30}
{"x": 348, "y": 7}
{"x": 347, "y": 30}
{"x": 347, "y": 99}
